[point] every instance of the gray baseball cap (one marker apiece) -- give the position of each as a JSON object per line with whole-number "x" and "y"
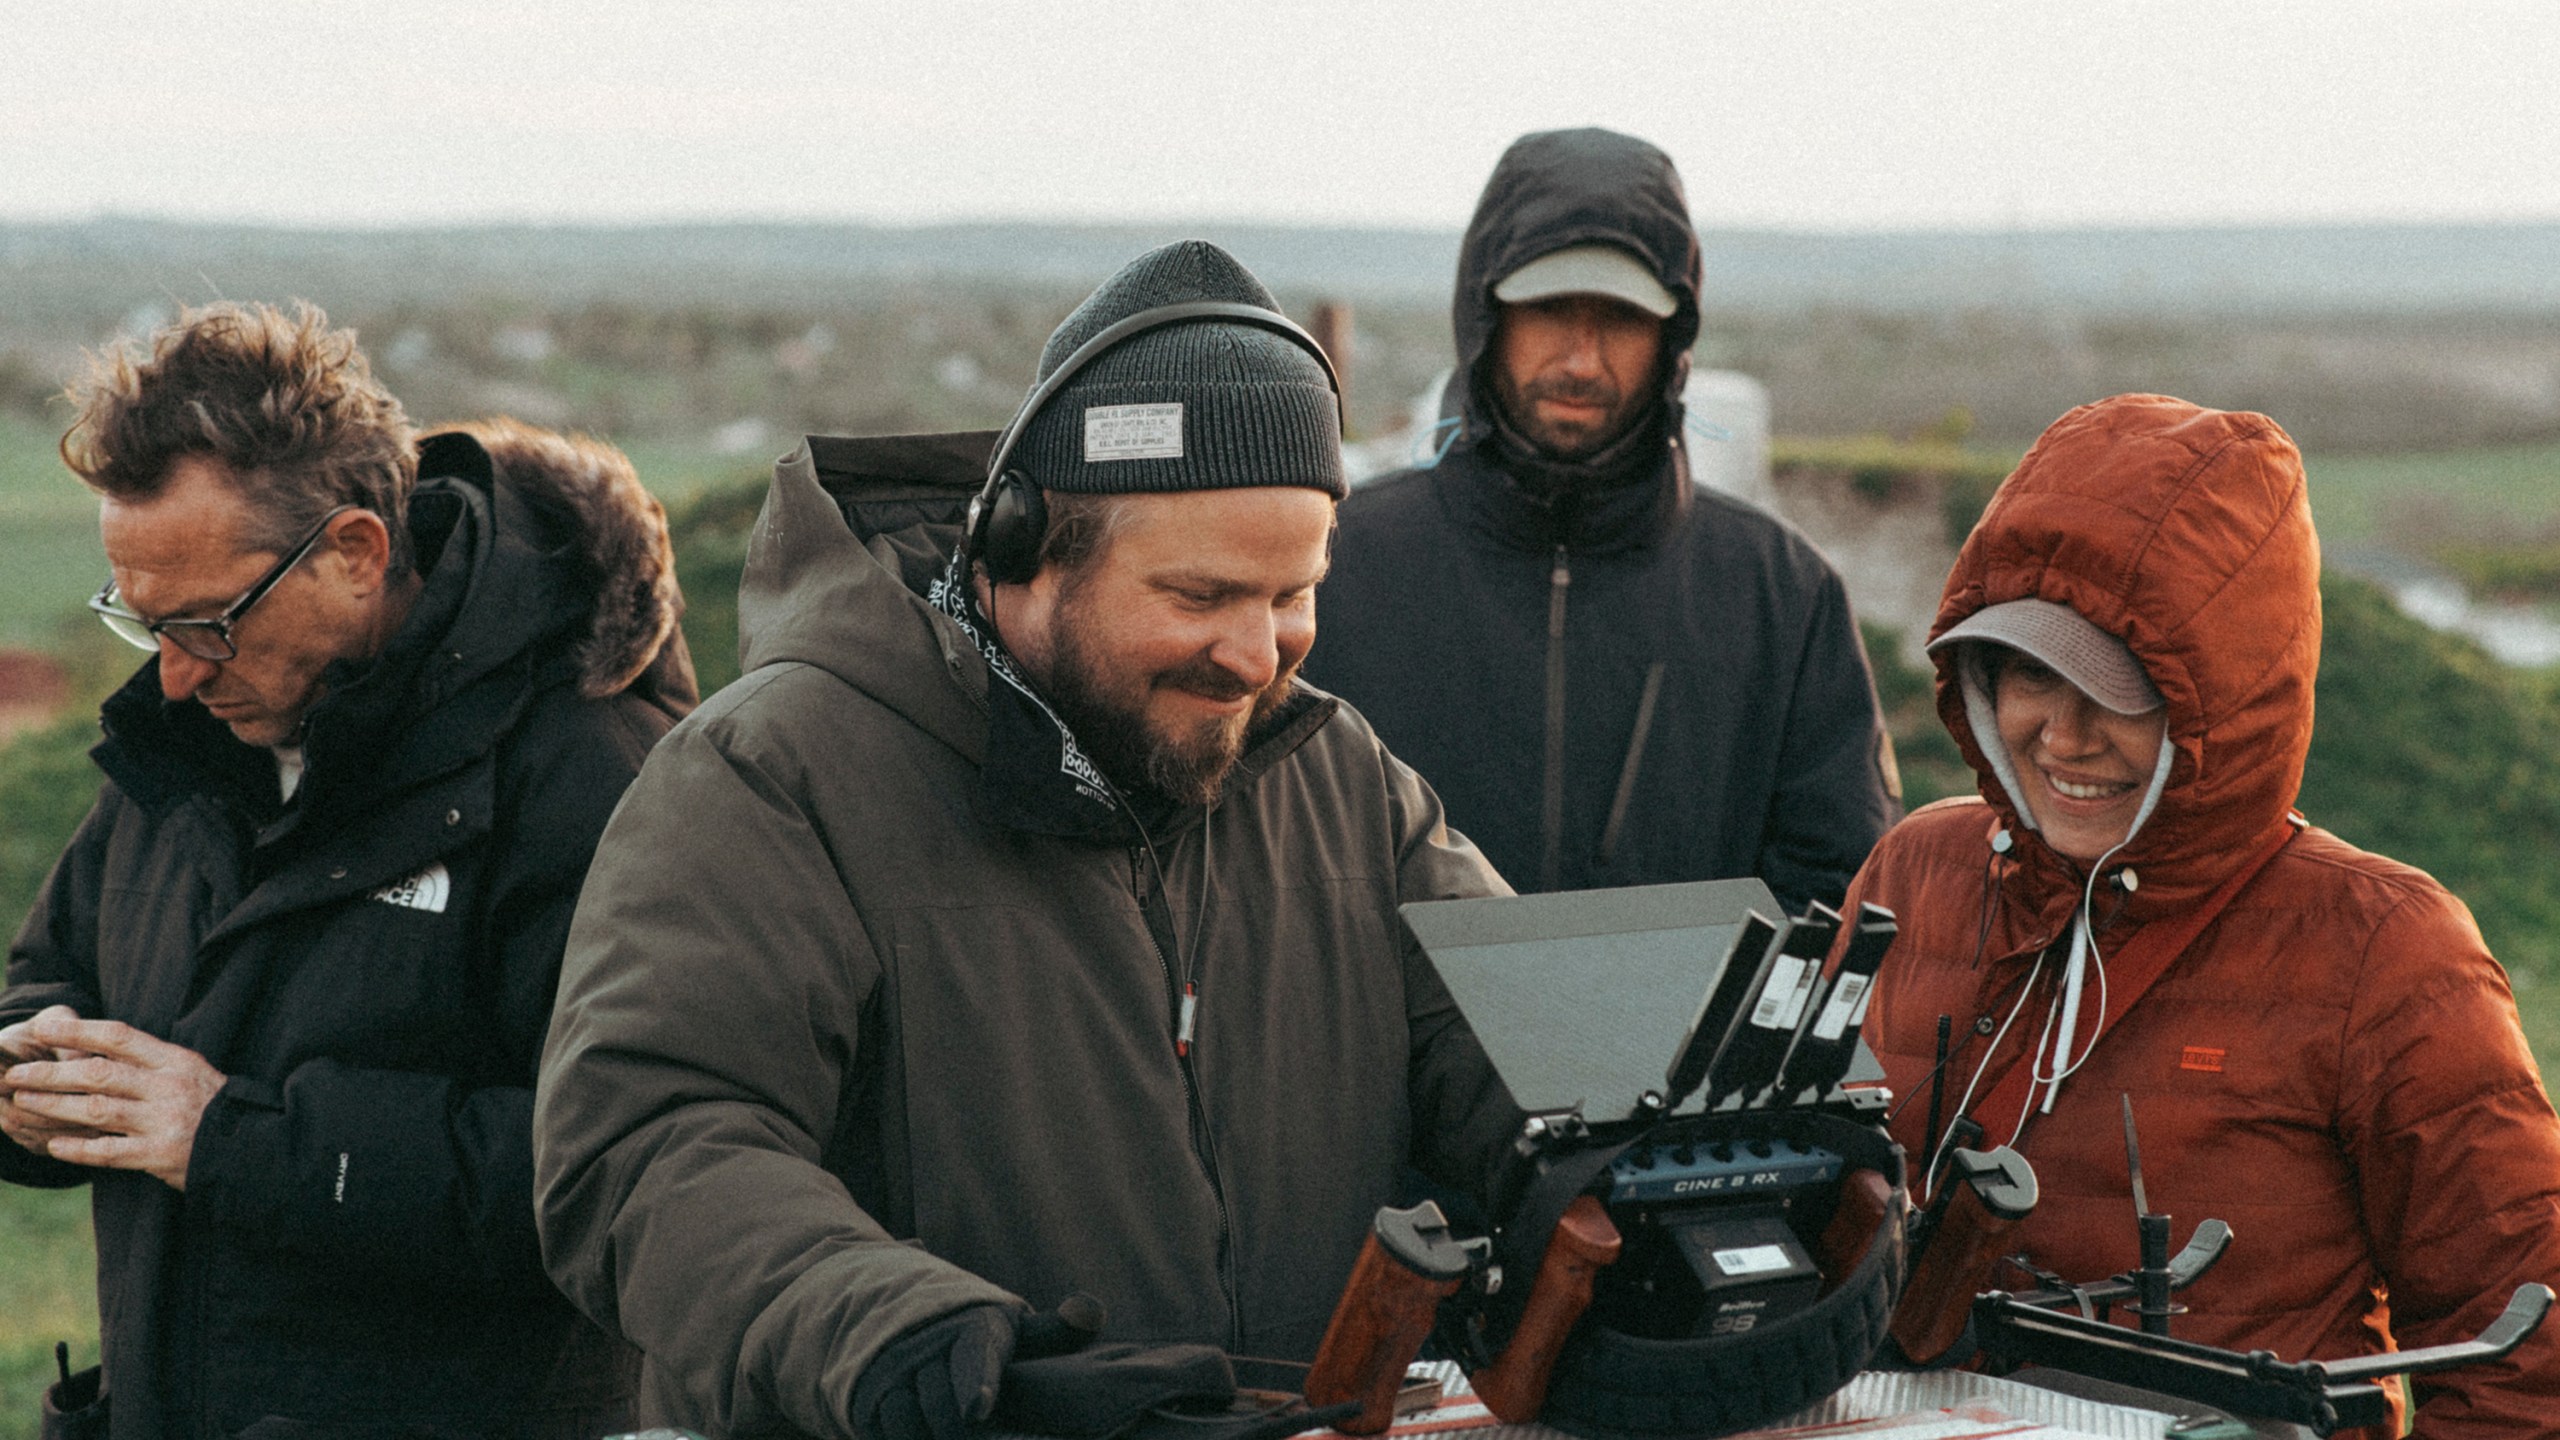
{"x": 2057, "y": 635}
{"x": 1588, "y": 270}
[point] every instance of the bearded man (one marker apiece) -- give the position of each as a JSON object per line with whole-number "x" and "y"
{"x": 1613, "y": 674}
{"x": 1019, "y": 925}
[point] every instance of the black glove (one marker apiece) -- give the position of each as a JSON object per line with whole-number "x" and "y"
{"x": 1071, "y": 1326}
{"x": 1099, "y": 1391}
{"x": 936, "y": 1381}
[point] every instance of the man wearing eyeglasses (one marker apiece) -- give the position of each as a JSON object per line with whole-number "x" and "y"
{"x": 280, "y": 1002}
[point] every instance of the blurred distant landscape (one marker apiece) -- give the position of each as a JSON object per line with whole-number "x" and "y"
{"x": 703, "y": 349}
{"x": 2419, "y": 367}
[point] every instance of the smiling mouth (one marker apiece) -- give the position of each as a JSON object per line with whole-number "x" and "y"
{"x": 2089, "y": 792}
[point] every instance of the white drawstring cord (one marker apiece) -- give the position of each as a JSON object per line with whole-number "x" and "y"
{"x": 1929, "y": 1173}
{"x": 2084, "y": 952}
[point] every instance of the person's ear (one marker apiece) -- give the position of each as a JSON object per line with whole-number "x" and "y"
{"x": 360, "y": 545}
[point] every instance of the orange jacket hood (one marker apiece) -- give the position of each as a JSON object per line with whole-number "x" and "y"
{"x": 2186, "y": 533}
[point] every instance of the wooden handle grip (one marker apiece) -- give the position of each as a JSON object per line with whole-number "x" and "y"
{"x": 1864, "y": 1197}
{"x": 1952, "y": 1270}
{"x": 1378, "y": 1327}
{"x": 1514, "y": 1386}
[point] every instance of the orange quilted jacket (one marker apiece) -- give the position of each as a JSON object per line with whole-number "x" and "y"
{"x": 2333, "y": 1064}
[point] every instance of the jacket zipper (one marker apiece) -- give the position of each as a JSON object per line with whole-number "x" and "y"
{"x": 1182, "y": 994}
{"x": 1551, "y": 872}
{"x": 1635, "y": 761}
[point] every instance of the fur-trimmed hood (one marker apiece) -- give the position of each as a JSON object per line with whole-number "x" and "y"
{"x": 542, "y": 562}
{"x": 600, "y": 527}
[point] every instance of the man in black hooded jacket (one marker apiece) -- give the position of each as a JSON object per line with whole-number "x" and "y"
{"x": 279, "y": 1003}
{"x": 1611, "y": 674}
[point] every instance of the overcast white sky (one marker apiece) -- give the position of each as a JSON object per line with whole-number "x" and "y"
{"x": 1780, "y": 113}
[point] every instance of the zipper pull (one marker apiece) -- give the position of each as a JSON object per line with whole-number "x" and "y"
{"x": 1184, "y": 1027}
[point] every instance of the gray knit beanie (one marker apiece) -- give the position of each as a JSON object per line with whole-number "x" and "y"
{"x": 1202, "y": 405}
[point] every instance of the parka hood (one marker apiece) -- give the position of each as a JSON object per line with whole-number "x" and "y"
{"x": 1558, "y": 188}
{"x": 852, "y": 569}
{"x": 606, "y": 565}
{"x": 851, "y": 536}
{"x": 2186, "y": 533}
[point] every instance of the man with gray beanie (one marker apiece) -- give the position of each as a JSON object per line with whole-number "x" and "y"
{"x": 1018, "y": 929}
{"x": 1614, "y": 675}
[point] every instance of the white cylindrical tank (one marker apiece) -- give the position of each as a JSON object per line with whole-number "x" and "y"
{"x": 1729, "y": 434}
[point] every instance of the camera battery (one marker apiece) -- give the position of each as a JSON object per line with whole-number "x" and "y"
{"x": 1749, "y": 1265}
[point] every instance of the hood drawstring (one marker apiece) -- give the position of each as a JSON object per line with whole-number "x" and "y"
{"x": 1440, "y": 438}
{"x": 2054, "y": 1058}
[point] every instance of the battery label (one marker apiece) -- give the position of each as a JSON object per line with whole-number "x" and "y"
{"x": 1847, "y": 1004}
{"x": 1753, "y": 1260}
{"x": 1779, "y": 996}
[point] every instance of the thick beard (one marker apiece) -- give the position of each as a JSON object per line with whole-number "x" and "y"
{"x": 1519, "y": 406}
{"x": 1107, "y": 716}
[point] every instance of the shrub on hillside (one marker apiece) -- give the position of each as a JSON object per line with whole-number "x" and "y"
{"x": 2431, "y": 752}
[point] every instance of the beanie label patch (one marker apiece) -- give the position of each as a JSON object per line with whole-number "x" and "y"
{"x": 1133, "y": 432}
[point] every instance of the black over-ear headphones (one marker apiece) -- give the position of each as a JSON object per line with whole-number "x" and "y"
{"x": 1008, "y": 517}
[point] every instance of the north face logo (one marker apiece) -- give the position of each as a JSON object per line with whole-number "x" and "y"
{"x": 427, "y": 890}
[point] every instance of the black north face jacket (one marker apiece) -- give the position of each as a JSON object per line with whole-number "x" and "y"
{"x": 372, "y": 967}
{"x": 1611, "y": 674}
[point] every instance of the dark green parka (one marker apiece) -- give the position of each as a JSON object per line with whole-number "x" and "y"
{"x": 838, "y": 1053}
{"x": 372, "y": 968}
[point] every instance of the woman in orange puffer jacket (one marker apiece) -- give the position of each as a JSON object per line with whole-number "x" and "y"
{"x": 2317, "y": 1045}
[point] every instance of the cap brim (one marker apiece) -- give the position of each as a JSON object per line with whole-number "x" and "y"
{"x": 1603, "y": 270}
{"x": 2066, "y": 643}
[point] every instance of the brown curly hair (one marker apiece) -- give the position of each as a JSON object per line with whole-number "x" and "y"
{"x": 286, "y": 404}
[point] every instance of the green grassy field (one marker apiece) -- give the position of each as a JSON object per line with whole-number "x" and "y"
{"x": 2379, "y": 499}
{"x": 49, "y": 557}
{"x": 47, "y": 1294}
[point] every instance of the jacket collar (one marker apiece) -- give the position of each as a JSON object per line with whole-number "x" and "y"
{"x": 1645, "y": 500}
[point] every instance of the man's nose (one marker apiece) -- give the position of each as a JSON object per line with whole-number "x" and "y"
{"x": 182, "y": 674}
{"x": 1249, "y": 647}
{"x": 1583, "y": 353}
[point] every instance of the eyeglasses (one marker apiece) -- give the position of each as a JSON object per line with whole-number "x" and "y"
{"x": 208, "y": 638}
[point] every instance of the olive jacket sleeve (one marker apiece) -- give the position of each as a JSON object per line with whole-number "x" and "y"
{"x": 708, "y": 1030}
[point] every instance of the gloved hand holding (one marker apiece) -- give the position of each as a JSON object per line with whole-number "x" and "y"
{"x": 937, "y": 1381}
{"x": 1099, "y": 1391}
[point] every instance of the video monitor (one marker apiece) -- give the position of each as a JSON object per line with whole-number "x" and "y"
{"x": 1582, "y": 999}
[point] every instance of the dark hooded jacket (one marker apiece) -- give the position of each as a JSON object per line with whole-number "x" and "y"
{"x": 371, "y": 966}
{"x": 2332, "y": 1063}
{"x": 869, "y": 1015}
{"x": 1611, "y": 674}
